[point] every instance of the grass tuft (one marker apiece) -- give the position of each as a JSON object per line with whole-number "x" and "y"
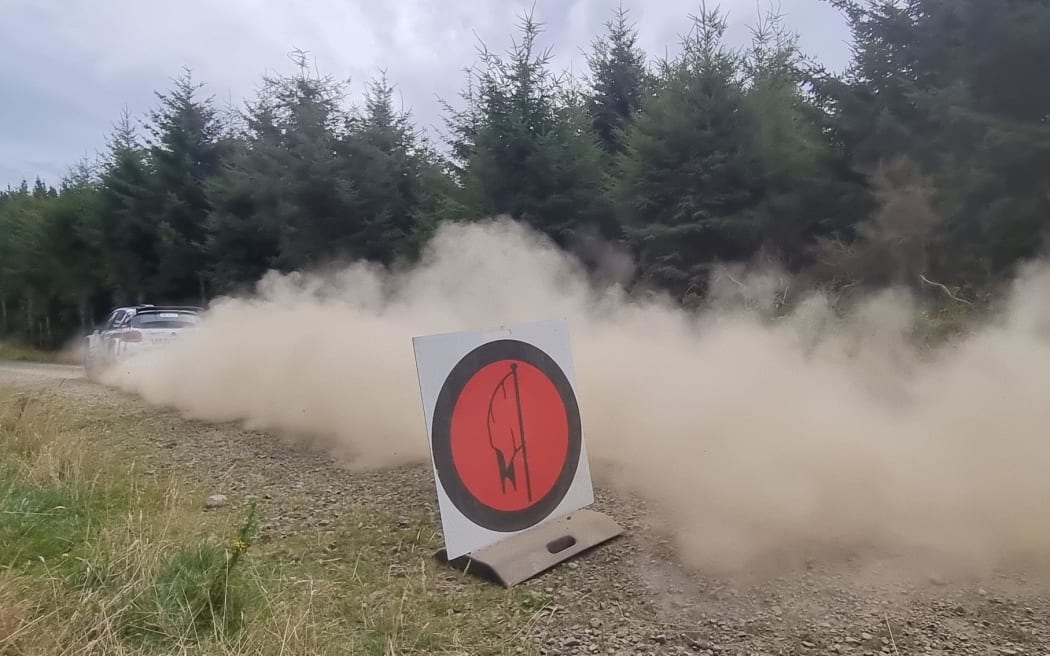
{"x": 183, "y": 604}
{"x": 98, "y": 557}
{"x": 197, "y": 594}
{"x": 38, "y": 523}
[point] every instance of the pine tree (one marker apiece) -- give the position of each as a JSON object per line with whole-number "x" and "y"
{"x": 42, "y": 191}
{"x": 243, "y": 231}
{"x": 74, "y": 246}
{"x": 281, "y": 201}
{"x": 9, "y": 283}
{"x": 956, "y": 87}
{"x": 620, "y": 81}
{"x": 24, "y": 275}
{"x": 532, "y": 155}
{"x": 804, "y": 193}
{"x": 393, "y": 167}
{"x": 689, "y": 183}
{"x": 125, "y": 220}
{"x": 186, "y": 150}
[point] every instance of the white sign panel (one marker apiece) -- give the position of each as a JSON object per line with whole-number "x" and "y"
{"x": 505, "y": 432}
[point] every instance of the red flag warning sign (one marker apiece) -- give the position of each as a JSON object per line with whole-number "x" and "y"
{"x": 505, "y": 431}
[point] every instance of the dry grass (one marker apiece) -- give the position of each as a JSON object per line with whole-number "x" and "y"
{"x": 99, "y": 557}
{"x": 13, "y": 351}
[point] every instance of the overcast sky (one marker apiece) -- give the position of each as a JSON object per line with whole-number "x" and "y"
{"x": 70, "y": 66}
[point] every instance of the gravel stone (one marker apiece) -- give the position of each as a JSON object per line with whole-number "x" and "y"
{"x": 216, "y": 501}
{"x": 633, "y": 595}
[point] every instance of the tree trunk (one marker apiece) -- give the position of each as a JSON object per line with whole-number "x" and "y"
{"x": 29, "y": 314}
{"x": 3, "y": 313}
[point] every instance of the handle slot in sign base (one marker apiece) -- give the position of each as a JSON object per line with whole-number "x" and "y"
{"x": 533, "y": 551}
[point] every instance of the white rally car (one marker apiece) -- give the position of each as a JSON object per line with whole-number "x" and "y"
{"x": 133, "y": 329}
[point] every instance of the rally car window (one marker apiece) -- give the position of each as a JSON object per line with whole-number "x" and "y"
{"x": 164, "y": 320}
{"x": 116, "y": 320}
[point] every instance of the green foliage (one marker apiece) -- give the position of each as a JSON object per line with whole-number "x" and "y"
{"x": 125, "y": 223}
{"x": 528, "y": 149}
{"x": 14, "y": 352}
{"x": 956, "y": 87}
{"x": 156, "y": 575}
{"x": 929, "y": 158}
{"x": 197, "y": 593}
{"x": 804, "y": 195}
{"x": 182, "y": 602}
{"x": 186, "y": 151}
{"x": 396, "y": 171}
{"x": 689, "y": 183}
{"x": 38, "y": 522}
{"x": 312, "y": 181}
{"x": 620, "y": 81}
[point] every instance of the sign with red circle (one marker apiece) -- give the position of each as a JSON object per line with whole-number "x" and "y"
{"x": 506, "y": 435}
{"x": 503, "y": 422}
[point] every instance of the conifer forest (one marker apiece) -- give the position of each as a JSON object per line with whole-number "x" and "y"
{"x": 925, "y": 164}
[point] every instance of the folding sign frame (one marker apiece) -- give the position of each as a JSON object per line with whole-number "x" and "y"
{"x": 507, "y": 450}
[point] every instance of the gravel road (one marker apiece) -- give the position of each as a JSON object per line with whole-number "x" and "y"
{"x": 30, "y": 373}
{"x": 630, "y": 596}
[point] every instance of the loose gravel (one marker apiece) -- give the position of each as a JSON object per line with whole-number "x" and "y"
{"x": 630, "y": 596}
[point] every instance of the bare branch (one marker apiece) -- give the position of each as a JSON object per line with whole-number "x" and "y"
{"x": 742, "y": 285}
{"x": 946, "y": 290}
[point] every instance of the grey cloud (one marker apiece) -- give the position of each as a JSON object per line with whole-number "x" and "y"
{"x": 81, "y": 61}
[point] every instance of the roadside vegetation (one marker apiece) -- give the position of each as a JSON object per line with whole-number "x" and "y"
{"x": 16, "y": 352}
{"x": 103, "y": 553}
{"x": 923, "y": 165}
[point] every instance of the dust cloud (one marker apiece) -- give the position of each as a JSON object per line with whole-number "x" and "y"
{"x": 752, "y": 435}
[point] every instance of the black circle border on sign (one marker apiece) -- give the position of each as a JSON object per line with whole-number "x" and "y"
{"x": 503, "y": 521}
